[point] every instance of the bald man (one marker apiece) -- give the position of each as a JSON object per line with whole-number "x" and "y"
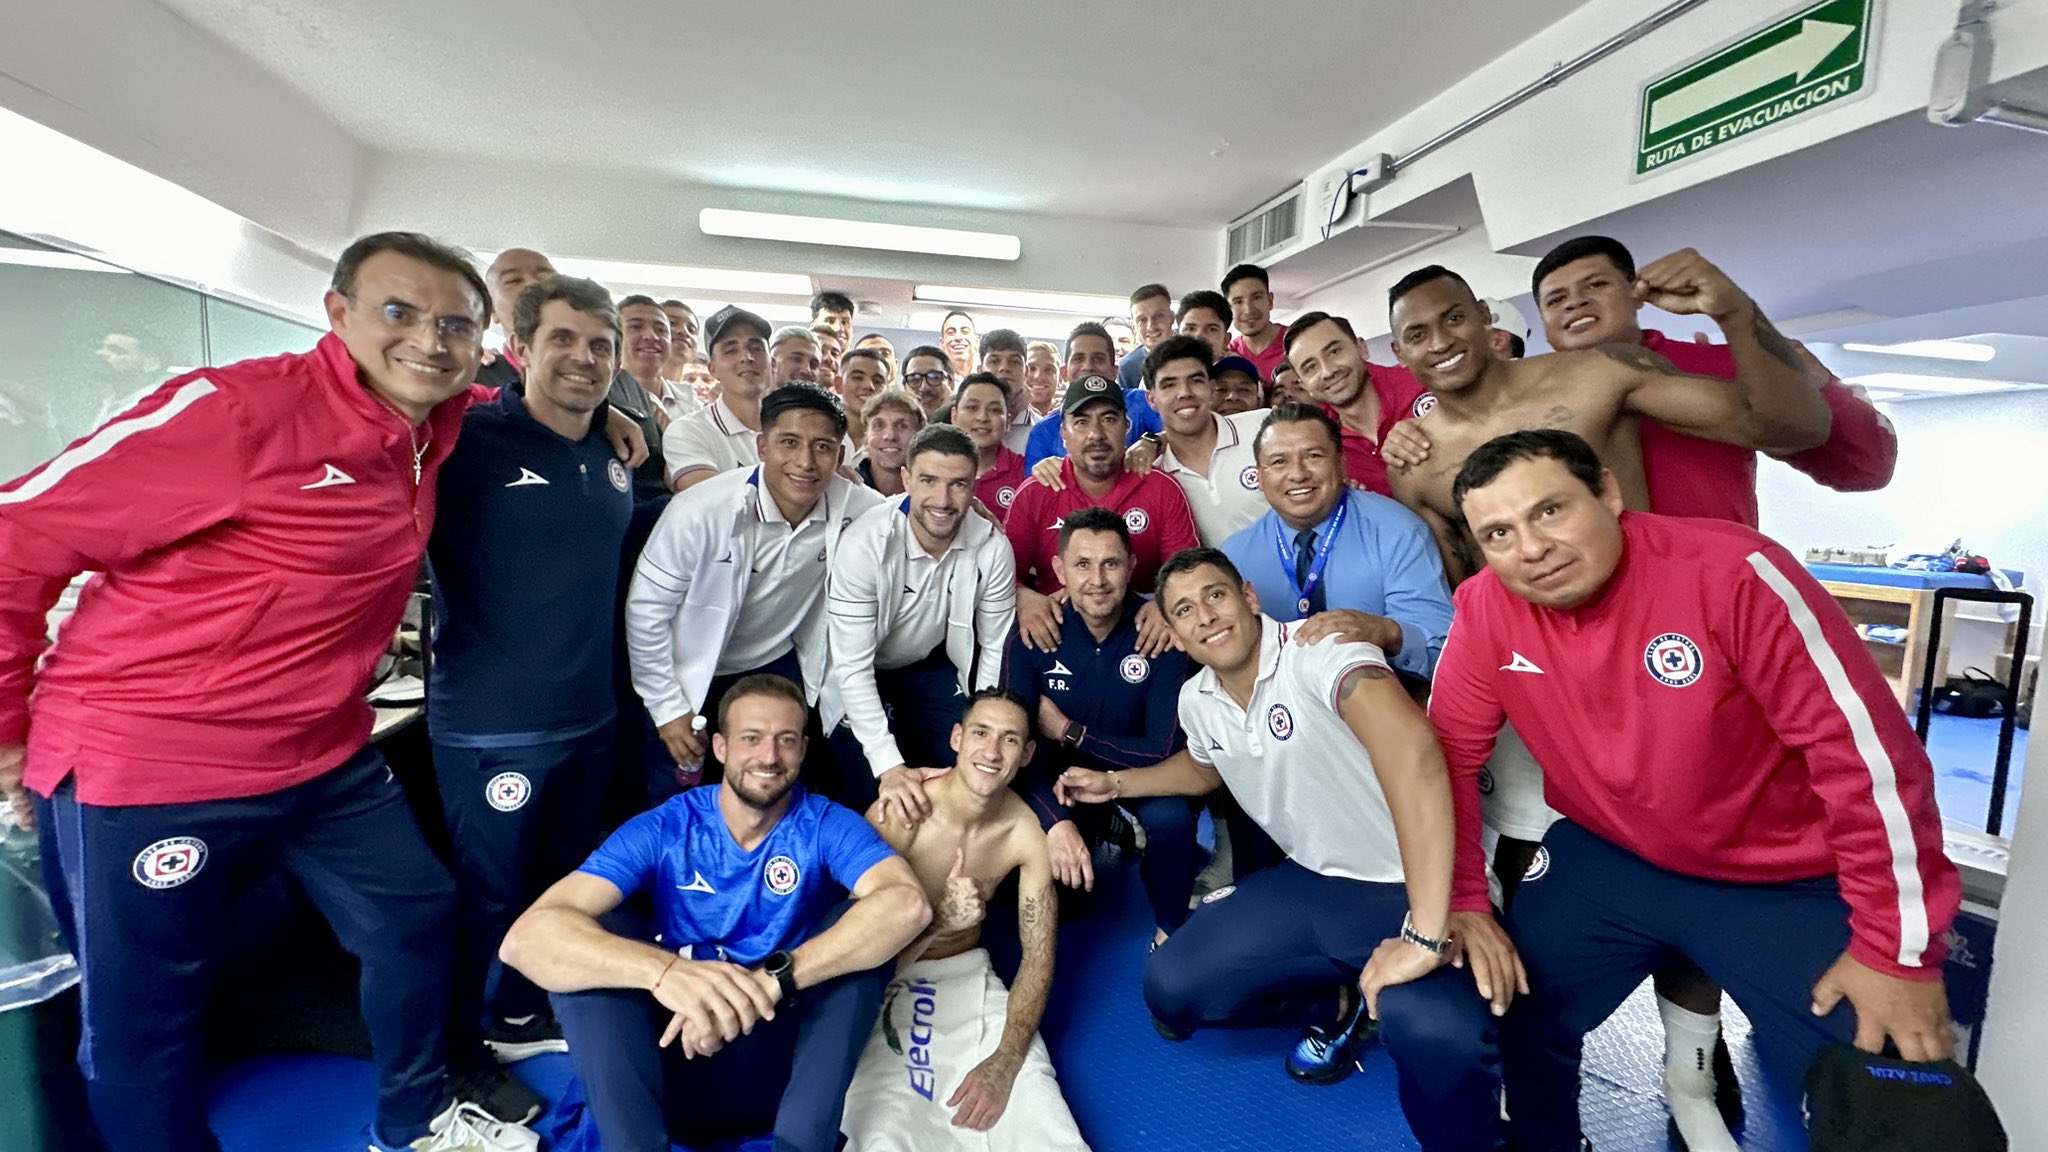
{"x": 513, "y": 270}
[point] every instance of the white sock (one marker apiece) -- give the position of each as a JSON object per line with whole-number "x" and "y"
{"x": 1689, "y": 1039}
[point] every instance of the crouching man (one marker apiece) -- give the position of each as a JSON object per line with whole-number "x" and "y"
{"x": 956, "y": 1061}
{"x": 744, "y": 1007}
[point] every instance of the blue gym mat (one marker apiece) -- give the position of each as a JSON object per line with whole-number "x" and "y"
{"x": 1133, "y": 1092}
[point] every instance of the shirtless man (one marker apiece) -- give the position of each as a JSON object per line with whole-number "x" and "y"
{"x": 934, "y": 1019}
{"x": 1441, "y": 335}
{"x": 1775, "y": 404}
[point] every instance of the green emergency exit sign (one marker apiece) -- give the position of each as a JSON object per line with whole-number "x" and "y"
{"x": 1810, "y": 59}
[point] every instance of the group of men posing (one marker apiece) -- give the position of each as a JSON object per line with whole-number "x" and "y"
{"x": 864, "y": 685}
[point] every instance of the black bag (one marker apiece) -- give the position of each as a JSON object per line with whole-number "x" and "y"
{"x": 1856, "y": 1102}
{"x": 1974, "y": 694}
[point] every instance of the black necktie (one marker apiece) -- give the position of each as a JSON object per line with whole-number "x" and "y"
{"x": 1304, "y": 563}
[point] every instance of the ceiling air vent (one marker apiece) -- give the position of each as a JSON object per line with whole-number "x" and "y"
{"x": 1266, "y": 229}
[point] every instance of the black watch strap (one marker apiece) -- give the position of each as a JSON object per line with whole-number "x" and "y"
{"x": 1071, "y": 738}
{"x": 781, "y": 965}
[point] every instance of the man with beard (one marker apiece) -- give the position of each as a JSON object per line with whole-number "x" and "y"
{"x": 948, "y": 1000}
{"x": 765, "y": 980}
{"x": 929, "y": 375}
{"x": 1095, "y": 429}
{"x": 1366, "y": 399}
{"x": 1090, "y": 352}
{"x": 918, "y": 609}
{"x": 893, "y": 416}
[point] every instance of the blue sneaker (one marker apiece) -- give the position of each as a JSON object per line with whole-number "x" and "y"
{"x": 1327, "y": 1055}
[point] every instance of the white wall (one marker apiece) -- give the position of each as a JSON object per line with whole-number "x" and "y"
{"x": 2015, "y": 1041}
{"x": 132, "y": 80}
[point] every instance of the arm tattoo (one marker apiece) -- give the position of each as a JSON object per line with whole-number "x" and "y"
{"x": 1773, "y": 342}
{"x": 1641, "y": 359}
{"x": 1358, "y": 675}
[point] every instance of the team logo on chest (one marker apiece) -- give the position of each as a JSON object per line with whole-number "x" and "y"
{"x": 1249, "y": 478}
{"x": 1674, "y": 660}
{"x": 616, "y": 473}
{"x": 782, "y": 875}
{"x": 508, "y": 791}
{"x": 1280, "y": 722}
{"x": 1423, "y": 406}
{"x": 1005, "y": 494}
{"x": 1134, "y": 669}
{"x": 169, "y": 863}
{"x": 1137, "y": 521}
{"x": 1539, "y": 865}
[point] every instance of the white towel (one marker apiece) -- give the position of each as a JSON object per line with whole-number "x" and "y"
{"x": 940, "y": 1019}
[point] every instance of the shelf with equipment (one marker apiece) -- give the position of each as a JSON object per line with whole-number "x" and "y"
{"x": 1894, "y": 608}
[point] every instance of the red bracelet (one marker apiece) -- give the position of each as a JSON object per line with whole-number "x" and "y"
{"x": 664, "y": 972}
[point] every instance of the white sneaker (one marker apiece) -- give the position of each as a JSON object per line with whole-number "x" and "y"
{"x": 464, "y": 1127}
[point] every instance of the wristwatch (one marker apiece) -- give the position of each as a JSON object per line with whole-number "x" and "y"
{"x": 781, "y": 965}
{"x": 1409, "y": 934}
{"x": 1071, "y": 738}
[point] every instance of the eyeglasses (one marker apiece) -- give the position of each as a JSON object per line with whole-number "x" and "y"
{"x": 935, "y": 376}
{"x": 451, "y": 329}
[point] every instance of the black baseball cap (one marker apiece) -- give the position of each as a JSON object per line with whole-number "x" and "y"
{"x": 726, "y": 317}
{"x": 1857, "y": 1102}
{"x": 1091, "y": 387}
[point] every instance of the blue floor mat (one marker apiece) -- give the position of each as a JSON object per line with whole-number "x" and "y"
{"x": 1219, "y": 1091}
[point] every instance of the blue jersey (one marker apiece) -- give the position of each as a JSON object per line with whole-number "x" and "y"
{"x": 1045, "y": 439}
{"x": 720, "y": 903}
{"x": 1129, "y": 704}
{"x": 525, "y": 556}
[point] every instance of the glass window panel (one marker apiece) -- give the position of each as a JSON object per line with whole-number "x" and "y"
{"x": 234, "y": 332}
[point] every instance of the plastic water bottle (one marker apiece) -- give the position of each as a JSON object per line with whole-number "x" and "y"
{"x": 691, "y": 774}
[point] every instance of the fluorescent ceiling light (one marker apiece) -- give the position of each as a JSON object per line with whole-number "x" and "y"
{"x": 1029, "y": 325}
{"x": 69, "y": 261}
{"x": 677, "y": 276}
{"x": 857, "y": 234}
{"x": 1947, "y": 385}
{"x": 1931, "y": 349}
{"x": 1077, "y": 303}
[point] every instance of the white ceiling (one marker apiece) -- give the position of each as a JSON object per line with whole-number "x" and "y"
{"x": 1169, "y": 113}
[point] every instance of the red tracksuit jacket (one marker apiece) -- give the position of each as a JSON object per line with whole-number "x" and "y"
{"x": 1687, "y": 476}
{"x": 256, "y": 530}
{"x": 1712, "y": 711}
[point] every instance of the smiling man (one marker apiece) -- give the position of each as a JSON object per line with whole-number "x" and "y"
{"x": 510, "y": 271}
{"x": 741, "y": 1008}
{"x": 726, "y": 434}
{"x": 1329, "y": 551}
{"x": 957, "y": 336}
{"x": 862, "y": 373}
{"x": 520, "y": 711}
{"x": 793, "y": 356}
{"x": 1090, "y": 352}
{"x": 1749, "y": 794}
{"x": 1208, "y": 454}
{"x": 1367, "y": 400}
{"x": 918, "y": 610}
{"x": 893, "y": 416}
{"x": 1093, "y": 476}
{"x": 986, "y": 1083}
{"x": 1326, "y": 753}
{"x": 257, "y": 528}
{"x": 732, "y": 580}
{"x": 1249, "y": 293}
{"x": 1003, "y": 355}
{"x": 1441, "y": 334}
{"x": 981, "y": 409}
{"x": 1152, "y": 320}
{"x": 634, "y": 388}
{"x": 1097, "y": 701}
{"x": 929, "y": 374}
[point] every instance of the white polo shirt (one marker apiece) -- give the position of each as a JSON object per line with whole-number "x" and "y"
{"x": 711, "y": 437}
{"x": 1292, "y": 762}
{"x": 788, "y": 577}
{"x": 1228, "y": 498}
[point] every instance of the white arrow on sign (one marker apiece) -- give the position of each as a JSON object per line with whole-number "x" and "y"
{"x": 1795, "y": 57}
